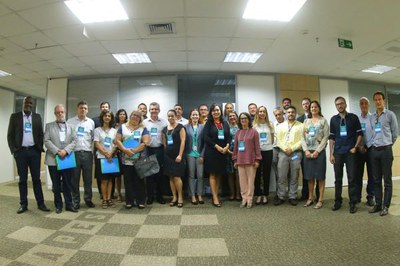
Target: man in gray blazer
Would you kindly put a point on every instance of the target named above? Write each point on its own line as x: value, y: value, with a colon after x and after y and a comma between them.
x: 60, y: 139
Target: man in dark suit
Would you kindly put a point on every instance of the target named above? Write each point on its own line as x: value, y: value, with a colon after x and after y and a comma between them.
x: 25, y: 140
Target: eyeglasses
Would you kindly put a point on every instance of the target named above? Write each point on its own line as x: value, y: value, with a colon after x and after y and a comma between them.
x: 340, y: 104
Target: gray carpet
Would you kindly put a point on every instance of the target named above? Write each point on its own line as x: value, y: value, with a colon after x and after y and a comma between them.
x: 198, y: 235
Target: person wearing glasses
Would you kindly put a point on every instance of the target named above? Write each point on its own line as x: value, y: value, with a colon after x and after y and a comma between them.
x: 246, y: 156
x: 385, y: 130
x: 344, y: 138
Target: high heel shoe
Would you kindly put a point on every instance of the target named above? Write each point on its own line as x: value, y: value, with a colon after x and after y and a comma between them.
x: 218, y: 205
x: 258, y: 201
x: 173, y: 203
x: 180, y: 204
x: 264, y: 200
x: 309, y: 203
x: 319, y: 205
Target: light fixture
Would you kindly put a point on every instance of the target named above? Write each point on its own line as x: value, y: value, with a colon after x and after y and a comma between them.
x: 90, y: 11
x: 149, y: 82
x: 4, y: 74
x: 276, y: 10
x: 378, y: 69
x: 224, y: 82
x: 132, y: 58
x: 238, y: 57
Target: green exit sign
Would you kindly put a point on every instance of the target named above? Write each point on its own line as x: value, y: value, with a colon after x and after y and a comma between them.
x: 345, y: 44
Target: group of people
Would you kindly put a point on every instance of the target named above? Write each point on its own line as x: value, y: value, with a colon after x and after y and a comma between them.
x: 246, y: 150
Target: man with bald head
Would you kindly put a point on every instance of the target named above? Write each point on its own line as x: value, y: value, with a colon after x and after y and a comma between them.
x: 25, y: 140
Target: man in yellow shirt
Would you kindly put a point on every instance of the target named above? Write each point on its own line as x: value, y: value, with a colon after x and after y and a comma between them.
x: 289, y: 157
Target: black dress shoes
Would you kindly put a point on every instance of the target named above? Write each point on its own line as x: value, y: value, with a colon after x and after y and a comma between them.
x: 278, y: 201
x: 353, y: 208
x: 43, y: 208
x: 89, y: 204
x: 149, y: 201
x: 336, y: 206
x: 161, y: 200
x: 385, y: 211
x: 22, y: 209
x: 376, y: 208
x: 71, y: 209
x: 58, y: 211
x: 293, y: 202
x: 370, y: 202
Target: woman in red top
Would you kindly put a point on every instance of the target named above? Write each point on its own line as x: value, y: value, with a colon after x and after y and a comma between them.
x: 246, y: 156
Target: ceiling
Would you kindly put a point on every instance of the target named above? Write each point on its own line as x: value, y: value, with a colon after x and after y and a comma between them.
x: 41, y: 39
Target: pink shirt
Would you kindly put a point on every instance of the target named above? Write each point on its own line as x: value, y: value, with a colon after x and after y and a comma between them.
x: 251, y: 153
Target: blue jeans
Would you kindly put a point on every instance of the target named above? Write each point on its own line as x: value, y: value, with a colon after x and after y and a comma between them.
x: 62, y: 182
x: 29, y: 158
x: 350, y: 160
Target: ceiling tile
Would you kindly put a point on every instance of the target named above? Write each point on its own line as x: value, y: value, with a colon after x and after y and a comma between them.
x: 25, y: 4
x: 141, y: 68
x: 168, y: 57
x: 171, y: 66
x: 154, y: 8
x: 210, y: 27
x: 239, y: 67
x: 213, y: 8
x: 4, y: 10
x: 249, y: 45
x: 208, y: 44
x: 54, y: 73
x: 374, y: 58
x: 8, y: 47
x: 142, y: 27
x: 15, y: 69
x: 206, y: 56
x: 66, y: 35
x: 127, y: 46
x: 56, y: 52
x: 50, y: 16
x: 109, y: 69
x: 81, y: 71
x: 6, y: 62
x: 259, y: 29
x: 67, y: 62
x: 39, y: 66
x: 106, y: 59
x: 390, y: 48
x: 155, y: 45
x: 203, y: 66
x: 83, y: 49
x: 23, y: 57
x: 29, y: 75
x: 12, y: 25
x: 32, y: 40
x: 115, y: 30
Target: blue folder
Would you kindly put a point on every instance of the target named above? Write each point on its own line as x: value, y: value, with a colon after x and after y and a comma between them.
x: 68, y: 162
x: 108, y: 167
x: 132, y: 143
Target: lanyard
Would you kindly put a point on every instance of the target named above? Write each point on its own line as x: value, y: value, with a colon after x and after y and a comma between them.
x: 240, y: 133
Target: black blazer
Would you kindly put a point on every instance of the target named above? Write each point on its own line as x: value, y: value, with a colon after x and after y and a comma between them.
x: 15, y: 131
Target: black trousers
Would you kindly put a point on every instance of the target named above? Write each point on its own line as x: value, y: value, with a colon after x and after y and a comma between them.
x: 350, y: 160
x: 382, y: 161
x: 135, y: 188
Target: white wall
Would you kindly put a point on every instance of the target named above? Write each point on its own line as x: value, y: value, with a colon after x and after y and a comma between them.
x: 329, y: 90
x: 56, y: 93
x: 7, y: 160
x: 258, y: 89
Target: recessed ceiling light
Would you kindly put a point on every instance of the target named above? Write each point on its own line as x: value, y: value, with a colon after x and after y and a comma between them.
x: 224, y: 82
x: 276, y: 10
x: 237, y: 57
x: 89, y: 11
x: 132, y: 58
x: 378, y: 69
x: 4, y: 74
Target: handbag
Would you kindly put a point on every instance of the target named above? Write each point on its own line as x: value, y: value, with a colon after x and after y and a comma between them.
x: 146, y: 166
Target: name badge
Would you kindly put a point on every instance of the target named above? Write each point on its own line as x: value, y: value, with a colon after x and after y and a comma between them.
x: 62, y: 136
x: 378, y: 127
x: 263, y: 137
x: 311, y: 131
x: 194, y: 148
x: 28, y: 127
x: 107, y: 142
x: 153, y: 131
x: 343, y: 131
x: 295, y: 157
x: 363, y: 127
x: 170, y: 141
x: 221, y: 134
x: 136, y: 134
x: 81, y: 131
x: 241, y: 146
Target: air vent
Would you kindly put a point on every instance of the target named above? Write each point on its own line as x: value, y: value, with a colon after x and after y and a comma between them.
x: 394, y: 49
x: 162, y: 28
